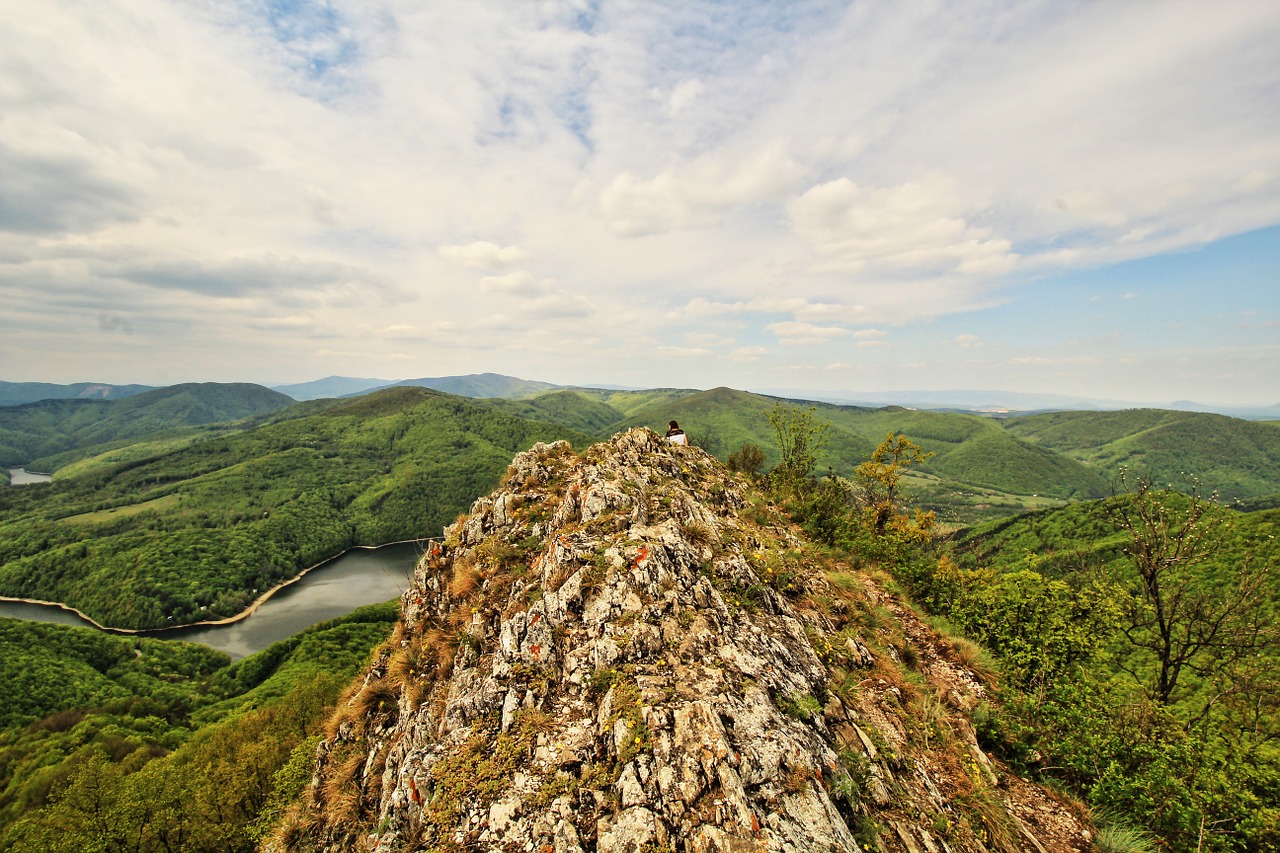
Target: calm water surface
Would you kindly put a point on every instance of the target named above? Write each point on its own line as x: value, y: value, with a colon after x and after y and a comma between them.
x: 23, y: 477
x: 334, y: 589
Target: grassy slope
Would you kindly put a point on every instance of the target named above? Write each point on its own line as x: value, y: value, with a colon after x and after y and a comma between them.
x: 569, y: 408
x: 1239, y: 459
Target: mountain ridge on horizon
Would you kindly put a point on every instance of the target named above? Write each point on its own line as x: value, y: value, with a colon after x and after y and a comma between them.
x: 489, y: 384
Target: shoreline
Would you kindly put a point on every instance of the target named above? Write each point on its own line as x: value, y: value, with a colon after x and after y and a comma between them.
x: 229, y: 620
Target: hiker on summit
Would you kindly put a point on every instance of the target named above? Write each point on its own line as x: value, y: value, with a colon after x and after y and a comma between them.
x: 675, y: 435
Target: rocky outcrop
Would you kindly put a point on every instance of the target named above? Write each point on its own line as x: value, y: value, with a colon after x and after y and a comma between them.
x: 628, y: 650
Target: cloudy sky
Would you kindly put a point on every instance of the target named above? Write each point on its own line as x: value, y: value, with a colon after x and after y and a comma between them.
x: 1076, y: 198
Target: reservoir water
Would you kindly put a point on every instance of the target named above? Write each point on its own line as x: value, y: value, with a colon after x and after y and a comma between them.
x: 354, y: 579
x: 23, y: 477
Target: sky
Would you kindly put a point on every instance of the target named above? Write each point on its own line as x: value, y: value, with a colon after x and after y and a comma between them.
x: 1077, y: 198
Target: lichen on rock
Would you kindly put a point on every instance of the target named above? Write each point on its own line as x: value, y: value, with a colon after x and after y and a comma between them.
x: 610, y: 653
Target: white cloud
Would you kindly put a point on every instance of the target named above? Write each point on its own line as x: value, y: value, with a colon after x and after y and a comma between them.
x: 701, y: 307
x: 519, y: 283
x: 685, y: 352
x: 748, y: 354
x: 482, y: 173
x: 916, y: 227
x: 699, y: 193
x: 483, y: 255
x: 801, y: 334
x: 1039, y: 360
x: 682, y: 96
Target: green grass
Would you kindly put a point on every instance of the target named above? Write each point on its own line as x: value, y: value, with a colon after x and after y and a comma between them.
x: 104, y: 515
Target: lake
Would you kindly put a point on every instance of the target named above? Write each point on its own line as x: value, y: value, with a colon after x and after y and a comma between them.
x: 23, y: 477
x: 356, y: 578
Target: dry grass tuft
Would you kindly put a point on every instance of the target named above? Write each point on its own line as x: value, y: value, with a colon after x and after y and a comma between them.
x: 444, y: 645
x: 976, y: 659
x: 380, y: 696
x: 342, y: 791
x: 466, y: 580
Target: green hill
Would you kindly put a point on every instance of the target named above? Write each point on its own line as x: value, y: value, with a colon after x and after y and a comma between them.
x: 330, y: 386
x: 190, y: 532
x: 721, y: 420
x: 80, y: 707
x: 568, y: 407
x: 480, y: 385
x: 1064, y: 540
x: 979, y: 469
x: 1238, y: 459
x: 36, y: 432
x: 16, y: 393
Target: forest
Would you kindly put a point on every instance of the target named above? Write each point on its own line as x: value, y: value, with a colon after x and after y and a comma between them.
x: 111, y: 743
x: 174, y: 533
x: 189, y: 518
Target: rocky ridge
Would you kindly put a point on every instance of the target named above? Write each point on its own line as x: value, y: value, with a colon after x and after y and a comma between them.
x: 628, y: 650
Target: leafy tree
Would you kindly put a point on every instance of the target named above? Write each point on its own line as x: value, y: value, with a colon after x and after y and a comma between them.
x: 801, y: 438
x: 748, y: 459
x: 1188, y: 619
x: 878, y: 480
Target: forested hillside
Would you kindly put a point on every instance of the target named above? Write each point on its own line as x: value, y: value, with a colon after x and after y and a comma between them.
x: 196, y: 532
x: 1238, y: 459
x: 983, y: 467
x: 1050, y: 608
x: 16, y: 393
x: 35, y: 434
x: 142, y: 744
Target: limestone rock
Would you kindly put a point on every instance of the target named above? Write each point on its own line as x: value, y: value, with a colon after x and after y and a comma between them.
x: 608, y: 655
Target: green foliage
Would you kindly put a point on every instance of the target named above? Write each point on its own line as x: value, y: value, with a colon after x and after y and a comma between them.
x: 191, y: 754
x: 194, y: 532
x: 1040, y: 629
x: 747, y: 459
x: 34, y: 432
x: 1067, y: 599
x: 801, y: 438
x: 878, y: 479
x: 1181, y: 615
x: 46, y: 668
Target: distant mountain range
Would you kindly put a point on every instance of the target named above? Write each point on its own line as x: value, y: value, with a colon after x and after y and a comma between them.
x: 1013, y: 402
x: 46, y: 428
x: 496, y: 385
x: 17, y: 393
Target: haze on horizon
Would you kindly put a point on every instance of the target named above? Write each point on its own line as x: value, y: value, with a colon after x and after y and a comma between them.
x: 1077, y: 199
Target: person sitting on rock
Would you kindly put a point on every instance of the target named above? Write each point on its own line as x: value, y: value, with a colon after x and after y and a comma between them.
x: 675, y: 435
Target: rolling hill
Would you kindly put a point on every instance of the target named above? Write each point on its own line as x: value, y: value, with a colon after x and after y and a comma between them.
x: 194, y: 531
x: 17, y: 393
x: 34, y: 432
x: 1238, y: 459
x: 480, y: 385
x: 330, y: 386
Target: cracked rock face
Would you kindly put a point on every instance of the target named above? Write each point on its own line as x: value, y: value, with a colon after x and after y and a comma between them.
x: 604, y: 656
